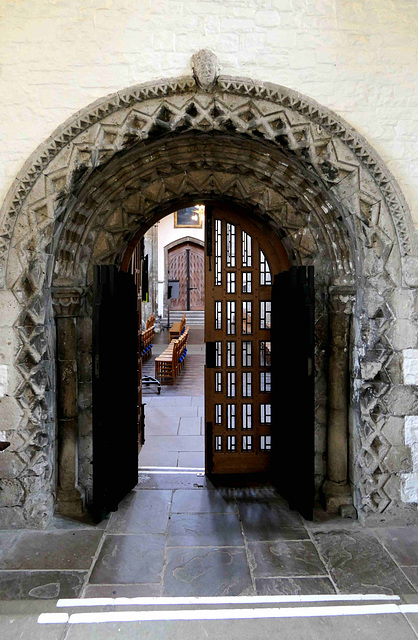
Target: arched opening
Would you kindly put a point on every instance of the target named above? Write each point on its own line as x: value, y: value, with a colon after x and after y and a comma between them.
x: 115, y: 170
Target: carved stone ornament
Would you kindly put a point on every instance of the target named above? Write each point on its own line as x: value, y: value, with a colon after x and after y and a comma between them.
x: 341, y: 299
x: 66, y: 301
x: 205, y: 69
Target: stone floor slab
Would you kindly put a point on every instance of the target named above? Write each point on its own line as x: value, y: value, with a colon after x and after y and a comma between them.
x: 194, y: 459
x: 293, y: 586
x: 204, y: 529
x: 158, y: 458
x: 42, y: 585
x: 371, y: 627
x: 122, y: 590
x: 270, y: 520
x: 412, y: 575
x: 44, y: 550
x: 209, y: 571
x: 129, y: 559
x: 60, y: 523
x: 285, y: 559
x: 161, y: 428
x: 190, y: 427
x: 401, y: 542
x: 185, y: 501
x: 173, y: 401
x: 359, y: 564
x: 189, y: 481
x: 174, y: 443
x: 142, y: 512
x: 173, y: 411
x: 19, y: 621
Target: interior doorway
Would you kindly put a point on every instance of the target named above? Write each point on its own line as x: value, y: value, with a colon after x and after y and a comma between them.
x: 186, y: 264
x: 215, y: 413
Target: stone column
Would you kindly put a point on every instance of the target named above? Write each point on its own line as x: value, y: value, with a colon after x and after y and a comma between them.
x: 66, y: 303
x: 337, y: 489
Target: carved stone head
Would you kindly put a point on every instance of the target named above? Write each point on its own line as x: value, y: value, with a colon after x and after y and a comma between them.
x: 205, y: 69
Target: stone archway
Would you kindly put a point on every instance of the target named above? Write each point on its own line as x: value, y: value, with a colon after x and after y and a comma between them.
x: 118, y: 166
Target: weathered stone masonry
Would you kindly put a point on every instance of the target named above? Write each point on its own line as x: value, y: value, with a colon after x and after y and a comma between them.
x: 114, y: 169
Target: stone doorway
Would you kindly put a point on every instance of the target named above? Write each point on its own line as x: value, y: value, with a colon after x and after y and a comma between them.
x: 104, y: 178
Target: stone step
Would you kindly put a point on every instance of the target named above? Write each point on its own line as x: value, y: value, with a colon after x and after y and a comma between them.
x: 192, y: 317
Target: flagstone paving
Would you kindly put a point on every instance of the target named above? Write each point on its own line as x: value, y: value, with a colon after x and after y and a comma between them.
x: 179, y: 533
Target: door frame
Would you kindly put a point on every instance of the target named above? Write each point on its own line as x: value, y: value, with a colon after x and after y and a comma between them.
x: 167, y: 248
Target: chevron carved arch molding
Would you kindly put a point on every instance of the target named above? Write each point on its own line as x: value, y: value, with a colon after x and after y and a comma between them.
x: 113, y: 168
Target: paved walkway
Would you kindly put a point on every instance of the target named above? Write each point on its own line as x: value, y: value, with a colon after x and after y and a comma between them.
x: 179, y: 535
x: 174, y: 419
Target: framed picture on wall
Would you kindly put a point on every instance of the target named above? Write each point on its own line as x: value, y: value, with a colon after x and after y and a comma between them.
x: 191, y: 217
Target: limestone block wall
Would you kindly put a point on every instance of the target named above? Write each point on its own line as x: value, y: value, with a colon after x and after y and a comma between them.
x: 357, y: 57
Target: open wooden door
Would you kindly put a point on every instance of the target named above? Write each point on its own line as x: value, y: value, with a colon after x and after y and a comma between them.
x: 293, y: 409
x: 115, y: 388
x: 241, y: 255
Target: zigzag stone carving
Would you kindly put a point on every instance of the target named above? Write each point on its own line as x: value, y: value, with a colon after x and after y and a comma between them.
x: 108, y: 173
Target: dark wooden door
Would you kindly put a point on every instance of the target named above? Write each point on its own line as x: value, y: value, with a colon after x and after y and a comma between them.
x: 186, y: 263
x: 293, y: 409
x: 241, y: 257
x: 115, y: 388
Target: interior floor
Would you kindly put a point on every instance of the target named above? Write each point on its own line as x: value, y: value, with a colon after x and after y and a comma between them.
x: 174, y: 429
x: 179, y: 535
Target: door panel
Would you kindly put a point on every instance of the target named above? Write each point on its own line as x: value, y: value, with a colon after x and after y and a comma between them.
x: 115, y: 388
x: 293, y: 387
x: 183, y: 259
x: 240, y: 260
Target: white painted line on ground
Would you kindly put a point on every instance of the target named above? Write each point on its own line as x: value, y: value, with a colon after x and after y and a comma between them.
x: 200, y: 600
x: 409, y: 608
x: 171, y: 468
x: 223, y: 614
x: 170, y: 473
x: 53, y: 618
x: 174, y: 468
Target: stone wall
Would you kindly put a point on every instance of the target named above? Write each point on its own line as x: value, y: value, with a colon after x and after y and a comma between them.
x: 167, y: 234
x: 321, y: 186
x: 357, y: 57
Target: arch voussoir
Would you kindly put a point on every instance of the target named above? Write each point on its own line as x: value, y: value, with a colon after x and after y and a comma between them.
x: 115, y: 167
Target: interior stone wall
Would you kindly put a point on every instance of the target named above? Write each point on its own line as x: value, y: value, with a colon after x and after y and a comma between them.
x: 128, y: 159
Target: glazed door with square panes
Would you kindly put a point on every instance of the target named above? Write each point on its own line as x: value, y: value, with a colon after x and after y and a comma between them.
x: 241, y: 258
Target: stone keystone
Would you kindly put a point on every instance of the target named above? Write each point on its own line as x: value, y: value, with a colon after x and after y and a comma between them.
x: 205, y: 70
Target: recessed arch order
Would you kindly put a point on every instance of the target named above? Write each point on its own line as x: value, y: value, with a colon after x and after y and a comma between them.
x: 116, y: 167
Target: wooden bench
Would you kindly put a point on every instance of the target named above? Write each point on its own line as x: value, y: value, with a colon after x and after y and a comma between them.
x: 171, y: 361
x: 147, y: 337
x: 176, y: 329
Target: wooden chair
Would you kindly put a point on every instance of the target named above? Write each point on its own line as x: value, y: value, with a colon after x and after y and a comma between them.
x: 150, y: 321
x: 166, y: 365
x: 171, y: 361
x: 176, y: 329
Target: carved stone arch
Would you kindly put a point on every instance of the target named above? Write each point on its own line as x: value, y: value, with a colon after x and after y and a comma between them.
x: 112, y: 169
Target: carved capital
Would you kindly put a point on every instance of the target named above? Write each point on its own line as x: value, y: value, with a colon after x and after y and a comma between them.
x: 341, y: 299
x: 66, y: 301
x: 205, y: 69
